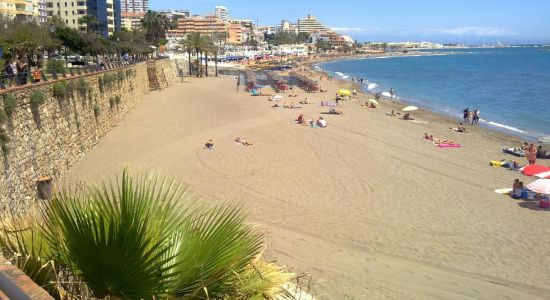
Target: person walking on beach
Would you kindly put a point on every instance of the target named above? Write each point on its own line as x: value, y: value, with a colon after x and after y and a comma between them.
x: 476, y: 116
x: 465, y: 115
x: 392, y: 93
x: 531, y: 154
x: 377, y: 95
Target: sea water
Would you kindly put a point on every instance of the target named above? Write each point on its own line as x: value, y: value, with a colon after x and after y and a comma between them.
x: 510, y: 86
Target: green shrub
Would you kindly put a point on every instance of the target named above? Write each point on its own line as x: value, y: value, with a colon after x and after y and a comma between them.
x: 97, y: 111
x: 71, y: 88
x: 38, y: 98
x: 4, y: 140
x: 118, y: 100
x: 101, y: 84
x: 120, y: 76
x: 10, y: 103
x: 129, y: 72
x: 60, y: 90
x: 112, y: 103
x: 3, y: 117
x: 82, y: 86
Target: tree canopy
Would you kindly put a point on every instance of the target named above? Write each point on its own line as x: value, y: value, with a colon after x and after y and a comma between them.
x: 285, y: 38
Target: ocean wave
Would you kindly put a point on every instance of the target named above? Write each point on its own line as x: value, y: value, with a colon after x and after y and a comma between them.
x: 371, y: 86
x: 507, y: 127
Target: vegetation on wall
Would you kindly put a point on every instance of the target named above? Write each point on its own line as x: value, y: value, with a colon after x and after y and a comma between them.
x: 10, y: 103
x: 38, y: 98
x: 60, y: 90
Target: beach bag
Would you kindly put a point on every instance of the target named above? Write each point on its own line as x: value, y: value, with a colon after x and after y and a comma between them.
x: 544, y: 204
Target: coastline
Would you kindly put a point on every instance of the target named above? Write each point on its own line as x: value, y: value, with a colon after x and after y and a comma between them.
x: 508, y: 131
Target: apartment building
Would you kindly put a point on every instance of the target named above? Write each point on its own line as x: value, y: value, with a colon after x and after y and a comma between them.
x: 222, y: 13
x: 107, y: 13
x: 24, y: 10
x: 310, y: 24
x: 132, y: 20
x: 134, y: 6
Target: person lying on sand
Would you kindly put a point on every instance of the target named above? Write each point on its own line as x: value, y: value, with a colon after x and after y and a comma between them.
x: 321, y: 122
x: 428, y: 137
x: 242, y: 141
x: 392, y: 113
x: 209, y: 145
x: 333, y: 111
x: 305, y: 101
x: 407, y: 117
x: 438, y: 141
x: 292, y: 96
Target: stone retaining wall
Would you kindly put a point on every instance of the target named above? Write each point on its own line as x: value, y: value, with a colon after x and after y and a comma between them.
x: 162, y: 73
x: 44, y: 140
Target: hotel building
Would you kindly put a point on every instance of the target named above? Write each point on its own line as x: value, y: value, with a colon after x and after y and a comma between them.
x: 106, y: 12
x: 134, y: 5
x: 24, y: 10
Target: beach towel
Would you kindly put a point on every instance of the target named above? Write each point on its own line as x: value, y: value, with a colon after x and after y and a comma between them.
x: 449, y: 145
x: 505, y: 191
x: 328, y: 103
x: 497, y: 163
x: 512, y: 151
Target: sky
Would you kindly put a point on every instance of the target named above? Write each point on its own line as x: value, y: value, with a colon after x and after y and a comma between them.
x: 462, y: 21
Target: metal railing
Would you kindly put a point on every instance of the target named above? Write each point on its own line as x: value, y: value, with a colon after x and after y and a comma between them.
x: 43, y: 75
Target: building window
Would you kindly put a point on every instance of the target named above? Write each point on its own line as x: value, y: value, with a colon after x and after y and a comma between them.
x: 66, y: 13
x: 72, y: 3
x: 65, y: 4
x: 73, y: 12
x: 73, y: 21
x: 66, y: 21
x: 57, y: 4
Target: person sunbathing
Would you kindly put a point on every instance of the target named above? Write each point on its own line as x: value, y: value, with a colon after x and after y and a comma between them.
x: 242, y: 141
x: 443, y: 141
x: 333, y: 111
x: 301, y: 119
x: 407, y: 117
x: 428, y: 137
x: 209, y: 144
x: 305, y: 101
x: 321, y: 122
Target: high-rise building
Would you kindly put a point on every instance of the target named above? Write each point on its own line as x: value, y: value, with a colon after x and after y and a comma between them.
x: 134, y: 5
x: 105, y: 14
x: 24, y: 10
x: 222, y: 13
x: 311, y: 24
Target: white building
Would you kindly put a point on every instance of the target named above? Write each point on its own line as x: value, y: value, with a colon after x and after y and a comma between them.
x: 297, y: 50
x: 222, y: 13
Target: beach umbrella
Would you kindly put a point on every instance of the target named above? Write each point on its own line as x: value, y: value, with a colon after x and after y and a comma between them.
x: 533, y: 170
x: 541, y: 186
x: 410, y: 108
x: 543, y: 175
x: 344, y: 92
x: 373, y: 101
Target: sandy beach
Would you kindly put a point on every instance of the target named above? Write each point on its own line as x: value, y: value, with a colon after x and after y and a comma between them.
x: 365, y: 206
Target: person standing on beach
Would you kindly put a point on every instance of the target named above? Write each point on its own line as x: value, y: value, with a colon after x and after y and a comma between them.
x: 466, y: 112
x: 392, y: 93
x: 531, y: 154
x: 476, y: 116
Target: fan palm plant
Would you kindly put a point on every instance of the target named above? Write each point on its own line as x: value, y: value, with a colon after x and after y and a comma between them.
x: 141, y: 238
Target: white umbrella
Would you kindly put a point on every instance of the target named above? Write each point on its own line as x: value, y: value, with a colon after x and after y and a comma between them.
x: 543, y: 175
x: 540, y: 186
x: 410, y: 108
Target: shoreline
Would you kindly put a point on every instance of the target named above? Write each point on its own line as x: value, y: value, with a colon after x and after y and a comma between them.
x: 507, y: 130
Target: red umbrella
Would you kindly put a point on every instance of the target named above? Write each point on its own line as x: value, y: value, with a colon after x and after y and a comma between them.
x: 532, y: 170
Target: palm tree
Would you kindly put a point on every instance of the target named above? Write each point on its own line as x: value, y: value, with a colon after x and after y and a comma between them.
x: 199, y: 43
x: 188, y: 47
x: 155, y: 26
x: 142, y: 238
